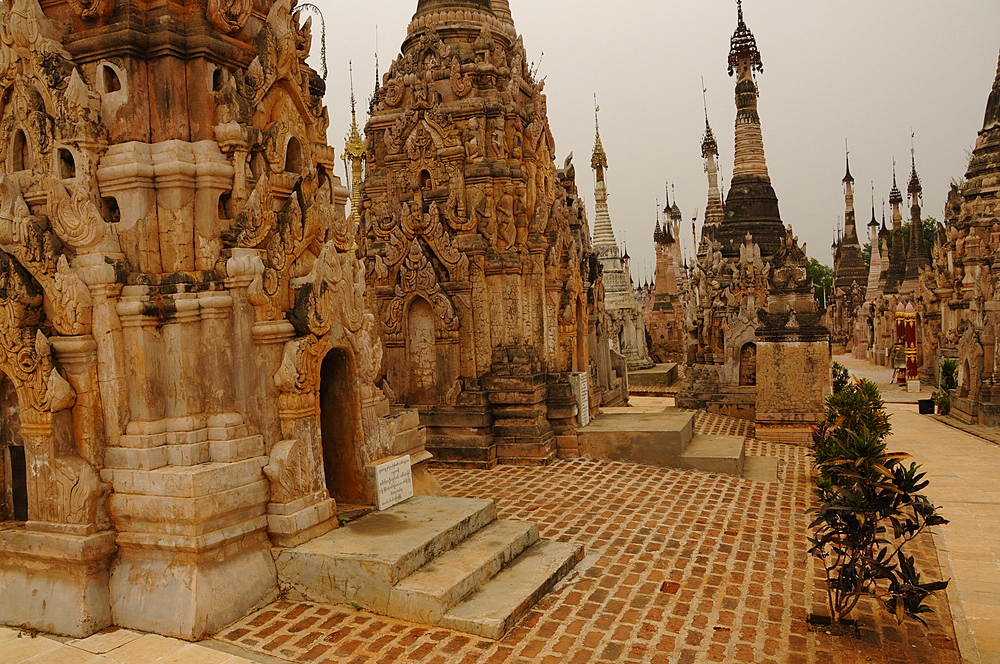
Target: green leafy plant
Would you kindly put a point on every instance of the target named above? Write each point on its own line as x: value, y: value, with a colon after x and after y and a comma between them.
x: 841, y: 377
x: 857, y: 406
x: 948, y: 382
x: 942, y: 399
x: 948, y: 379
x: 870, y: 508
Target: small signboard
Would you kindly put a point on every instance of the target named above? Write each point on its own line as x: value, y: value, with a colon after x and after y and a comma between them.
x: 393, y: 482
x: 581, y: 390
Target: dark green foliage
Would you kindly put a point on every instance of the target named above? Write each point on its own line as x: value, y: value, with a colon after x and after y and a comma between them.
x: 949, y: 374
x: 822, y: 278
x: 870, y: 508
x: 866, y: 253
x: 841, y: 377
x: 947, y: 381
x: 942, y: 399
x: 859, y: 406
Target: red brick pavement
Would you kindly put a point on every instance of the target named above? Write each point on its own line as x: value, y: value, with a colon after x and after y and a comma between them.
x: 680, y: 567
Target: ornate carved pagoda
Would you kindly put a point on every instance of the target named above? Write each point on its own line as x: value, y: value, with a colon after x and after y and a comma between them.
x: 188, y: 370
x: 489, y: 295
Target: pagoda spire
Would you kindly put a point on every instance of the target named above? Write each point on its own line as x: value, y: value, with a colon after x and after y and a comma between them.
x: 751, y: 204
x: 715, y: 212
x: 897, y: 252
x: 599, y: 160
x: 744, y: 60
x: 355, y: 151
x: 850, y: 227
x: 992, y: 118
x: 604, y: 233
x: 916, y: 257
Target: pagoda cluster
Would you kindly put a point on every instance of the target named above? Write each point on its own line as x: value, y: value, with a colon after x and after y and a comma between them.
x: 751, y: 336
x: 933, y: 293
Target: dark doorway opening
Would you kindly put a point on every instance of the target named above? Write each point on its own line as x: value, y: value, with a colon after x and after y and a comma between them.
x: 18, y: 482
x: 340, y: 430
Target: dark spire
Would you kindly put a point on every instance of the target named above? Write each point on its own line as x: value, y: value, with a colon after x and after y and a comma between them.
x: 709, y: 146
x: 743, y: 45
x: 914, y: 186
x: 873, y: 222
x: 895, y: 196
x: 848, y: 177
x: 993, y: 104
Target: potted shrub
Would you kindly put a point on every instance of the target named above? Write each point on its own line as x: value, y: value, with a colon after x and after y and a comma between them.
x: 869, y: 509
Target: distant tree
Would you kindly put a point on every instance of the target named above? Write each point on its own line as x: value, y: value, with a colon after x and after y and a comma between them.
x: 822, y: 278
x: 930, y: 229
x: 866, y: 253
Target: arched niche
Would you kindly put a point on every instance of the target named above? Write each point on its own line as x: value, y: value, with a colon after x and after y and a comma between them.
x: 109, y: 78
x: 13, y: 462
x: 294, y: 159
x: 422, y: 354
x: 748, y: 364
x: 340, y: 428
x: 65, y: 163
x: 20, y: 152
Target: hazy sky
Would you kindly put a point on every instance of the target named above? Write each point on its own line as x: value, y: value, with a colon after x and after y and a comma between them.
x: 864, y: 70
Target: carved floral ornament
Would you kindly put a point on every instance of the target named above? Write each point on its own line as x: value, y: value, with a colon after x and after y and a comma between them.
x: 229, y: 15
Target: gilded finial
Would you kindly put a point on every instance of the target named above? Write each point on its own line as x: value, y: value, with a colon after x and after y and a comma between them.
x: 743, y: 46
x: 355, y: 149
x: 599, y: 160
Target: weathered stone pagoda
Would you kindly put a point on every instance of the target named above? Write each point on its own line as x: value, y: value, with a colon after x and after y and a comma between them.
x: 189, y: 371
x: 850, y: 275
x: 478, y: 253
x: 757, y: 347
x: 665, y: 310
x: 625, y: 317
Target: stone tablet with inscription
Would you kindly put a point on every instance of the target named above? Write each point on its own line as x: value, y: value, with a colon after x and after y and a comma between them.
x: 393, y: 482
x: 581, y: 390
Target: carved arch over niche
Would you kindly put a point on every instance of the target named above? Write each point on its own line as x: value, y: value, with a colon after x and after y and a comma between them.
x: 61, y: 486
x: 748, y: 364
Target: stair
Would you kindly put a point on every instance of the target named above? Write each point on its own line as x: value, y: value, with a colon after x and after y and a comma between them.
x: 426, y: 560
x: 715, y: 454
x: 667, y: 440
x: 494, y: 609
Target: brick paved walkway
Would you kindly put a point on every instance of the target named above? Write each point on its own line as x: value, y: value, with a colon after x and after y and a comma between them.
x: 680, y: 567
x: 963, y: 471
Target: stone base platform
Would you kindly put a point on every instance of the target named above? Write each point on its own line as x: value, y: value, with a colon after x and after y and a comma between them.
x: 661, y: 380
x: 436, y: 561
x: 667, y: 440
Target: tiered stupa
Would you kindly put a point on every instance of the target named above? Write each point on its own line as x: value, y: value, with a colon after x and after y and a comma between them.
x: 757, y: 348
x: 628, y: 326
x: 850, y: 274
x: 478, y: 252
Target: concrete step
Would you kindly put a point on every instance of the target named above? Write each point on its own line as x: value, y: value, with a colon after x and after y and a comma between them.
x: 428, y: 593
x: 362, y: 561
x: 715, y: 454
x: 654, y: 439
x: 495, y: 608
x: 761, y: 468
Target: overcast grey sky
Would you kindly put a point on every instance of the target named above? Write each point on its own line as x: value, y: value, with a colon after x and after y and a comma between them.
x: 864, y: 70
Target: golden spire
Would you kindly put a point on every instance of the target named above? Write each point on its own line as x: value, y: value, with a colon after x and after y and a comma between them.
x: 600, y: 160
x: 355, y: 149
